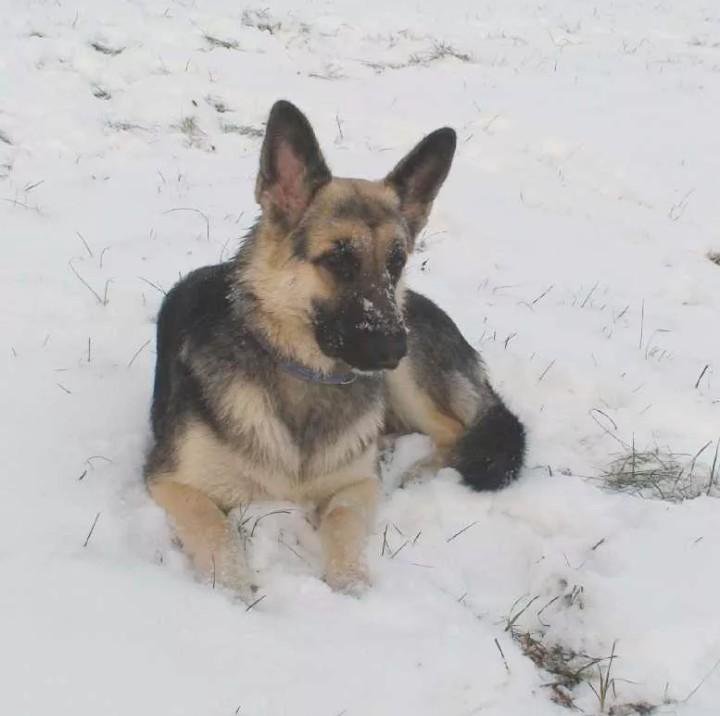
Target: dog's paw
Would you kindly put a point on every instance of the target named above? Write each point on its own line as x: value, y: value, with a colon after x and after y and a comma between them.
x: 247, y: 595
x: 352, y: 580
x: 421, y: 471
x: 231, y: 571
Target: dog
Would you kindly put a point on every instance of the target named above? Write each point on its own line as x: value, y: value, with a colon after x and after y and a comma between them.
x: 279, y: 371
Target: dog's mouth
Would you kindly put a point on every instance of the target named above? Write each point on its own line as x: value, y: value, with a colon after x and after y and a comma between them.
x: 362, y: 365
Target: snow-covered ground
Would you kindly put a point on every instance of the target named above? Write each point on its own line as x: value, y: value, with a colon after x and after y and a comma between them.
x: 570, y: 243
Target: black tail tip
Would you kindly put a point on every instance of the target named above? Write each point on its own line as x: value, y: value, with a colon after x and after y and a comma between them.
x: 490, y: 454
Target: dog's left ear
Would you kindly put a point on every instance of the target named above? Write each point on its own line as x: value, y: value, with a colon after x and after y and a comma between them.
x: 292, y: 167
x: 418, y: 177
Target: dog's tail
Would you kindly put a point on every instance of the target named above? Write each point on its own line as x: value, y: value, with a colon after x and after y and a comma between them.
x: 490, y: 454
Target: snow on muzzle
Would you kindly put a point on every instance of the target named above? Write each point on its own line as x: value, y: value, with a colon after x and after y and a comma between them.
x: 365, y: 331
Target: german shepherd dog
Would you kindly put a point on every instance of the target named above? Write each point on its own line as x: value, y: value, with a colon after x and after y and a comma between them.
x: 279, y: 371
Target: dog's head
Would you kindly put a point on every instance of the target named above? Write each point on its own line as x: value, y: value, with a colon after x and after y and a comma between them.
x: 331, y: 251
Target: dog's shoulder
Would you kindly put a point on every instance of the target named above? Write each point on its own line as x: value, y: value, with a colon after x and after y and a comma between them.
x: 204, y: 314
x: 199, y: 301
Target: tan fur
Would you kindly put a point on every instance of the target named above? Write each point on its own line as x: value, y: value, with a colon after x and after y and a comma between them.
x: 205, y: 463
x: 206, y: 534
x: 210, y: 475
x: 285, y: 288
x: 249, y: 410
x: 412, y: 406
x: 373, y: 242
x: 352, y: 444
x: 344, y: 522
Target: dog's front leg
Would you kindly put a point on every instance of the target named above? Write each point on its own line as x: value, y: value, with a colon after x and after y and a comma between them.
x: 345, y: 521
x: 207, y: 536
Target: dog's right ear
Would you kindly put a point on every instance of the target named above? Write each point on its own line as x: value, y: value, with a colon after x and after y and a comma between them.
x: 292, y: 167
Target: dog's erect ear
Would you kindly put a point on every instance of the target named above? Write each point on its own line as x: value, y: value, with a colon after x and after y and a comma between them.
x: 419, y: 176
x: 292, y: 167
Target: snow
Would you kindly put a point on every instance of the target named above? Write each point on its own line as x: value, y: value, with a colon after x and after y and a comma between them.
x: 569, y: 243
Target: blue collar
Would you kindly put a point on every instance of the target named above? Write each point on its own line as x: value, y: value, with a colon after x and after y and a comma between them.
x: 298, y: 370
x: 303, y: 372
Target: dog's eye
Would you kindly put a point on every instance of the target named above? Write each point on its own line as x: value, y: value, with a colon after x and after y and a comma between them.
x: 341, y: 261
x: 396, y: 262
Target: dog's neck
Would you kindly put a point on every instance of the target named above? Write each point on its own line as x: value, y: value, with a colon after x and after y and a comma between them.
x: 303, y: 372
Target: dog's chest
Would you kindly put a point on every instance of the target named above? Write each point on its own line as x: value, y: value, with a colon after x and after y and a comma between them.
x: 305, y: 430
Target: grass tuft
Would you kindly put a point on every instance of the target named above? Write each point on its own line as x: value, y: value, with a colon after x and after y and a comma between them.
x: 569, y: 670
x: 662, y: 474
x: 219, y: 42
x: 260, y: 20
x: 329, y: 72
x: 638, y: 708
x: 194, y: 136
x: 217, y: 104
x: 122, y: 126
x: 100, y: 93
x: 438, y: 52
x: 244, y: 130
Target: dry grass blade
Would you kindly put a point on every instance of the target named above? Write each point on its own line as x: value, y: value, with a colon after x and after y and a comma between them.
x: 545, y: 372
x: 543, y: 294
x: 22, y: 204
x: 502, y: 654
x: 464, y: 529
x: 138, y: 352
x: 589, y: 295
x: 267, y: 514
x: 385, y: 543
x: 157, y: 287
x: 197, y: 211
x: 102, y: 300
x: 604, y: 428
x: 702, y: 373
x: 702, y: 682
x: 85, y: 244
x: 605, y: 682
x: 400, y: 549
x: 106, y: 49
x: 255, y: 603
x: 33, y: 185
x: 713, y: 469
x: 513, y: 618
x: 92, y: 529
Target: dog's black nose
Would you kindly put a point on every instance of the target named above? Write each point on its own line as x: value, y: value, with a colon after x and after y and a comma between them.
x: 388, y: 349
